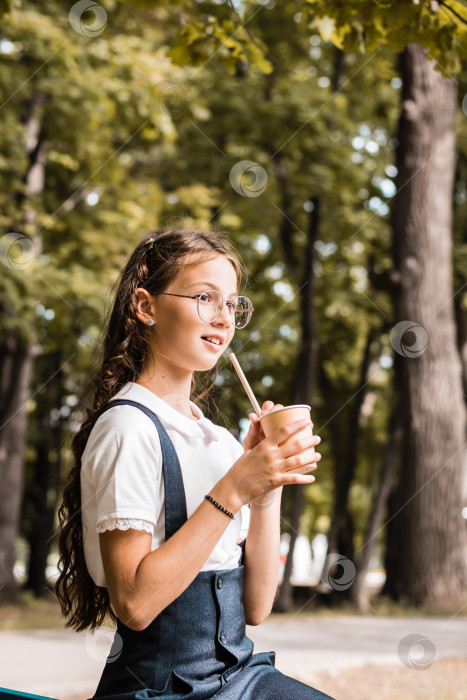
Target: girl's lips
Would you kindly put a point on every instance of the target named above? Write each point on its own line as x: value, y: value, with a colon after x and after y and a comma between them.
x: 212, y: 344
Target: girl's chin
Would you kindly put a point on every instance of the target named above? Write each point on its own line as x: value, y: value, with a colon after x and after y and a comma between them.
x: 207, y: 363
x: 205, y: 367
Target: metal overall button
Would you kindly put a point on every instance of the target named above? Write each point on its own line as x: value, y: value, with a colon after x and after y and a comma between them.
x: 220, y: 583
x: 223, y: 638
x: 231, y: 672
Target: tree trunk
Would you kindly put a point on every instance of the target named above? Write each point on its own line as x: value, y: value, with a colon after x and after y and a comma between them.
x: 15, y: 380
x: 460, y: 282
x: 338, y: 74
x: 302, y: 390
x: 341, y: 524
x: 17, y: 362
x: 461, y: 322
x: 340, y: 537
x: 287, y: 226
x: 429, y: 563
x: 460, y: 305
x: 41, y: 494
x: 359, y: 592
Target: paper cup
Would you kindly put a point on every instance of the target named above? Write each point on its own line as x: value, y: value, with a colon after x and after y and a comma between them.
x: 278, y: 417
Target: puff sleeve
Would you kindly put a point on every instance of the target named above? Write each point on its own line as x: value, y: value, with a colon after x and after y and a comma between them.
x: 122, y: 470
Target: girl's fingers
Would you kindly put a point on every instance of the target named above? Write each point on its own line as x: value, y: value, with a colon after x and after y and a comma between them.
x: 254, y: 434
x: 289, y: 477
x: 307, y: 458
x: 284, y: 433
x: 297, y: 445
x: 257, y: 425
x: 300, y: 479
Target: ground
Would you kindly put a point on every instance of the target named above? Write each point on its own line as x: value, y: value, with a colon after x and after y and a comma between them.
x: 445, y: 680
x: 449, y: 682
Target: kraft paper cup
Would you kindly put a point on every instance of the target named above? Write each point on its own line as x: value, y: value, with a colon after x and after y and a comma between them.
x: 278, y: 417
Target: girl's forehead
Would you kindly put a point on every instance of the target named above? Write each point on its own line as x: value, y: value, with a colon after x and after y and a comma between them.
x: 217, y: 269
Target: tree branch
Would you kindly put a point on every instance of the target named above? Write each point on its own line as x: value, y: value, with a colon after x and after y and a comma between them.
x: 254, y: 41
x: 454, y: 12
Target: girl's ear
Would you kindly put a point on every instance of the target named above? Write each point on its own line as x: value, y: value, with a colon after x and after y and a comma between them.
x: 145, y: 311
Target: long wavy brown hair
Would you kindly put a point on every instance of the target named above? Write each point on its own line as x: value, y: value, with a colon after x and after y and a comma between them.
x: 123, y: 346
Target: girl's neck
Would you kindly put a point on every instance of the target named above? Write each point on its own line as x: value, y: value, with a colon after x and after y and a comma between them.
x: 175, y: 393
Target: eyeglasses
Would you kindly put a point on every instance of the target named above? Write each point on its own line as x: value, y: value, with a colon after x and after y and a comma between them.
x: 211, y: 303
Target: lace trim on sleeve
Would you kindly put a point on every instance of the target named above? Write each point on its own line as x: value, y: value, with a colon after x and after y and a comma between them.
x: 125, y: 524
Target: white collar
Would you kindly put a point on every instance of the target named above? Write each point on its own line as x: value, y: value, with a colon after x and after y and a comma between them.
x: 169, y: 415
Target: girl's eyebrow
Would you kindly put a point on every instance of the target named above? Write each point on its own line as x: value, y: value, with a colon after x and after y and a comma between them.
x: 209, y: 285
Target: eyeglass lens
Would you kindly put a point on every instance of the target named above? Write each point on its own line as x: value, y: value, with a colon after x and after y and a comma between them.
x: 210, y: 306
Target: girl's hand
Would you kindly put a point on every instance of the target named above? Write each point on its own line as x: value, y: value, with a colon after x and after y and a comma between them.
x: 255, y: 432
x: 266, y: 466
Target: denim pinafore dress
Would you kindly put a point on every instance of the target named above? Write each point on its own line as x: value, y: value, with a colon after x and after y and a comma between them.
x: 196, y: 648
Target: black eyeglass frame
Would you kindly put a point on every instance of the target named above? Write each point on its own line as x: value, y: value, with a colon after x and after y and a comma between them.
x: 197, y: 298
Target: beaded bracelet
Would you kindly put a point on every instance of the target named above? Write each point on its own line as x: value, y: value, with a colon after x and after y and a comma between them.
x: 218, y: 505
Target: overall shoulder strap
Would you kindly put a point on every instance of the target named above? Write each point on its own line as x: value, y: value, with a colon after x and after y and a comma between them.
x: 175, y: 501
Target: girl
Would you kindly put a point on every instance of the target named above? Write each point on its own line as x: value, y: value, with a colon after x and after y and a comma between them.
x: 155, y: 514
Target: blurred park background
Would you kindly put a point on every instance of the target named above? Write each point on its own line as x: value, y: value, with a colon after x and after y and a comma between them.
x: 329, y: 140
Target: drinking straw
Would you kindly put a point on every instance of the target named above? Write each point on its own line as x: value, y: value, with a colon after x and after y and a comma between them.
x: 246, y: 386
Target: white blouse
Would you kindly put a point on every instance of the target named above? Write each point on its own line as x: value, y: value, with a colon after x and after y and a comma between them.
x: 122, y: 483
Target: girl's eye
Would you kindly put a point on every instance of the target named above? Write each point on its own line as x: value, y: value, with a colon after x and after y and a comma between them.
x: 204, y: 296
x: 231, y: 305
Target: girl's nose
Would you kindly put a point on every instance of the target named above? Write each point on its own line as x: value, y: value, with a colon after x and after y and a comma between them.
x: 225, y: 317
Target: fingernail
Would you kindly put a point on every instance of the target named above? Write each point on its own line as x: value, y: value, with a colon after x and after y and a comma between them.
x: 318, y: 455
